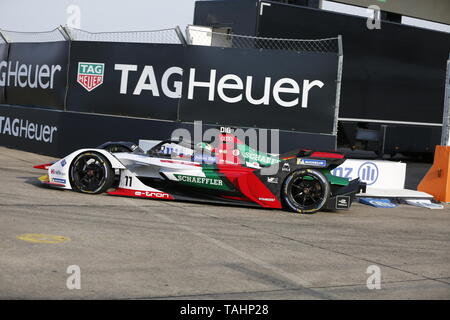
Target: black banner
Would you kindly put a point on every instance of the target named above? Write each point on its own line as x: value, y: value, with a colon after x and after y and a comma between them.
x: 37, y: 74
x: 93, y: 130
x: 394, y: 73
x: 3, y: 69
x: 29, y: 129
x: 239, y: 87
x: 263, y: 88
x: 132, y: 79
x: 51, y: 132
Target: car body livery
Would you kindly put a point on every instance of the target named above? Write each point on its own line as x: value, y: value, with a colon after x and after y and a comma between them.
x: 231, y: 173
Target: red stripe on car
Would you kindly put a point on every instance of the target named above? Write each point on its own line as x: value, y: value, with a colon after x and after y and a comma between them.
x: 43, y: 166
x: 326, y: 155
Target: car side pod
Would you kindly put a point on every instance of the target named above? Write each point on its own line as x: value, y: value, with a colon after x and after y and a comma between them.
x: 343, y: 197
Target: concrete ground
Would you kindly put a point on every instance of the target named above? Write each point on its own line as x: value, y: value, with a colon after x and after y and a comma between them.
x: 144, y: 249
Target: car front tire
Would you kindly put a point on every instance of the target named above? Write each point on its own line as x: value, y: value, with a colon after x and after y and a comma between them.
x: 91, y: 172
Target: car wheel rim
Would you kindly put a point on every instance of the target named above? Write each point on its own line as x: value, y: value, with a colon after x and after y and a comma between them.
x: 89, y: 173
x: 306, y: 192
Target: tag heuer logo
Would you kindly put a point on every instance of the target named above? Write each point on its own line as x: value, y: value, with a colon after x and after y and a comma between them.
x: 90, y: 75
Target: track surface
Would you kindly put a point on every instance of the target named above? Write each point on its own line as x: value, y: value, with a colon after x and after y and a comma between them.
x: 145, y: 249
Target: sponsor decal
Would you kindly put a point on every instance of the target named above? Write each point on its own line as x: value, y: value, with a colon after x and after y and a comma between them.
x: 63, y: 162
x: 200, y: 180
x: 236, y: 152
x: 204, y: 145
x: 205, y: 158
x: 134, y: 147
x: 58, y: 180
x: 286, y: 167
x: 267, y: 199
x: 14, y: 74
x: 368, y: 173
x: 285, y: 92
x: 378, y: 203
x: 226, y: 138
x: 176, y: 151
x: 260, y: 158
x: 230, y: 162
x: 25, y: 129
x: 272, y: 179
x: 57, y: 172
x: 253, y: 165
x: 342, y: 172
x: 226, y: 130
x: 312, y: 162
x: 90, y: 75
x: 342, y: 202
x: 152, y: 194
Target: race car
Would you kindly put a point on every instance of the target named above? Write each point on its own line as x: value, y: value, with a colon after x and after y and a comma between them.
x: 229, y: 172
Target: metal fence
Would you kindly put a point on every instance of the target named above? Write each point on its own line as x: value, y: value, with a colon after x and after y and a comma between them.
x: 200, y: 36
x: 166, y: 36
x: 194, y: 36
x: 45, y: 36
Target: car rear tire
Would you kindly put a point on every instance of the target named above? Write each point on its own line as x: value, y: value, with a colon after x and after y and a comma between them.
x: 305, y: 191
x: 91, y: 172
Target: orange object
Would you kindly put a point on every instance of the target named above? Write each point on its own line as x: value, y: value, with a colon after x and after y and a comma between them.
x: 437, y: 180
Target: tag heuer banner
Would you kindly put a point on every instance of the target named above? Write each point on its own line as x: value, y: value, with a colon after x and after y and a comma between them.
x: 229, y: 86
x: 266, y: 89
x: 35, y: 74
x: 129, y: 79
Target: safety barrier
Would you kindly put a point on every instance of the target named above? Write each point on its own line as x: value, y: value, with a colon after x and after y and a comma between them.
x: 437, y: 180
x: 158, y: 75
x: 167, y: 79
x: 57, y: 133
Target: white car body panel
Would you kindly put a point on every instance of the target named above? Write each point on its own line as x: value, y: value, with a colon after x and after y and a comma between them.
x: 128, y: 164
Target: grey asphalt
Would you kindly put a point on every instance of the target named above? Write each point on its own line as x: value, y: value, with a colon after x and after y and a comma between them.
x: 147, y: 249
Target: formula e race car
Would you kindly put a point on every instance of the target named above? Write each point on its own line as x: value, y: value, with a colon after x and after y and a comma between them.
x: 231, y: 172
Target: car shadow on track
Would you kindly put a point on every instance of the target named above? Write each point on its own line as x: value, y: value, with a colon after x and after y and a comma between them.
x: 35, y: 182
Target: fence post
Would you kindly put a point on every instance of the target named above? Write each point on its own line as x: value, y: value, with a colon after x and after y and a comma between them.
x: 2, y: 36
x: 445, y: 141
x: 180, y: 35
x: 338, y: 85
x: 64, y: 33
